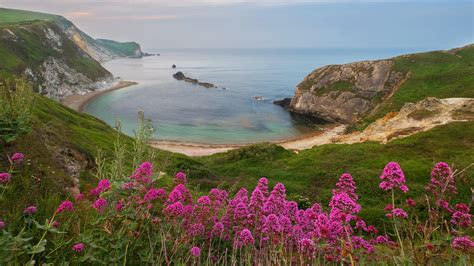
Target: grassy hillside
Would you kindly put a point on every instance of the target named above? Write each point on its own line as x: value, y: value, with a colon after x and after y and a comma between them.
x: 16, y: 16
x: 440, y: 74
x: 29, y: 47
x: 131, y: 49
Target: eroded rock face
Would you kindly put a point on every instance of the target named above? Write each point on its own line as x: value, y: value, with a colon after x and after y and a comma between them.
x: 345, y: 93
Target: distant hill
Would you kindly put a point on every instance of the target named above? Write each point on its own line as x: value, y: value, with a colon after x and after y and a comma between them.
x: 57, y: 56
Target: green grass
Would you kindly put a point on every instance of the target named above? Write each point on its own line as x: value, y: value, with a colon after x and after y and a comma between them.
x: 314, y: 172
x: 119, y: 48
x: 16, y: 16
x: 30, y: 48
x: 432, y: 74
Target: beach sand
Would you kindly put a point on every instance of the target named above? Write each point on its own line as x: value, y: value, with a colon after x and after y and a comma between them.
x: 78, y: 102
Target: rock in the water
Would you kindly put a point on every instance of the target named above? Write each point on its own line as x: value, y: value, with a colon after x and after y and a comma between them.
x: 285, y: 102
x: 258, y: 98
x: 173, y: 66
x: 345, y: 93
x: 180, y: 76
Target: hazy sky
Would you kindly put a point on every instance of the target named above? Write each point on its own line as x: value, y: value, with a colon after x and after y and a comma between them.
x: 269, y: 23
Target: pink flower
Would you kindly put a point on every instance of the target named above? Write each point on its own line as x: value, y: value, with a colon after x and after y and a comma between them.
x: 180, y: 178
x: 174, y: 210
x: 128, y: 185
x: 346, y: 184
x: 411, y: 202
x: 119, y: 205
x: 393, y: 177
x: 4, y: 178
x: 103, y: 185
x: 388, y: 207
x: 306, y: 246
x: 244, y: 238
x: 154, y: 193
x: 17, y: 157
x: 55, y: 224
x: 2, y: 224
x: 79, y: 197
x: 30, y: 210
x: 463, y: 243
x: 100, y: 204
x: 400, y: 213
x: 461, y: 218
x: 79, y: 247
x: 344, y: 203
x: 143, y: 173
x: 195, y: 251
x: 218, y: 229
x: 65, y: 206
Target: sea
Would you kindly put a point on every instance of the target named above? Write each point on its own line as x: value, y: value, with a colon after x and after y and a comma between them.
x: 239, y: 111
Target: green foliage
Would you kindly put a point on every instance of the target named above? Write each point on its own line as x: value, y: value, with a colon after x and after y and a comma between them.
x: 16, y: 96
x: 119, y: 48
x: 433, y: 74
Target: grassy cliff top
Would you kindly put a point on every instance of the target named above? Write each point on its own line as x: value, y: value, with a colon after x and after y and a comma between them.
x: 17, y: 16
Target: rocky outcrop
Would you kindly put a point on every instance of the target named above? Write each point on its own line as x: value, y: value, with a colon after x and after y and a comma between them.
x: 58, y: 58
x: 180, y: 76
x: 285, y: 102
x: 345, y: 93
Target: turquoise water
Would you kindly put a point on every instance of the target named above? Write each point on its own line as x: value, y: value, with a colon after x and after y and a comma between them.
x: 185, y: 112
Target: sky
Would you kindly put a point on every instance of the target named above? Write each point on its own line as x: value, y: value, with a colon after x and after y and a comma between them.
x: 158, y: 24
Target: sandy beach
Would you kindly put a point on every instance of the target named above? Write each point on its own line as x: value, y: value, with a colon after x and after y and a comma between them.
x: 296, y: 144
x: 77, y: 102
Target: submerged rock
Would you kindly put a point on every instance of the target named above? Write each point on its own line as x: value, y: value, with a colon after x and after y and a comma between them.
x: 173, y: 66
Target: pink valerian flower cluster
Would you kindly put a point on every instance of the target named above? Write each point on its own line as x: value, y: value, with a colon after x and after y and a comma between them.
x: 463, y: 243
x: 393, y: 177
x: 100, y: 204
x: 2, y: 224
x: 65, y: 206
x: 79, y: 247
x: 30, y: 210
x: 102, y: 186
x: 17, y: 157
x: 442, y: 184
x: 5, y: 178
x: 461, y: 216
x: 398, y: 213
x: 195, y: 251
x: 180, y: 178
x: 154, y: 193
x: 143, y: 173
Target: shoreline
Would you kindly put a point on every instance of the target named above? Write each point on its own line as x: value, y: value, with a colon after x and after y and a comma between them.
x: 295, y: 144
x: 78, y: 102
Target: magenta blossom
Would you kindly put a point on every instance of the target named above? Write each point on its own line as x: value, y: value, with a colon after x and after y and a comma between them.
x: 17, y: 157
x: 180, y: 178
x: 244, y: 238
x: 30, y: 210
x: 2, y: 224
x: 100, y: 204
x: 79, y: 247
x: 463, y: 243
x: 65, y: 206
x: 154, y: 193
x: 346, y: 184
x: 461, y: 217
x: 393, y: 177
x: 411, y: 202
x: 400, y: 213
x: 103, y: 185
x: 195, y: 251
x: 79, y: 197
x: 5, y: 178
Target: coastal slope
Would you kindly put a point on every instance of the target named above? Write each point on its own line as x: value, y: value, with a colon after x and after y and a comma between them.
x: 360, y: 92
x: 58, y: 58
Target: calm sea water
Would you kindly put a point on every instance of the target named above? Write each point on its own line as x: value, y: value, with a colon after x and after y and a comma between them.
x: 185, y: 112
